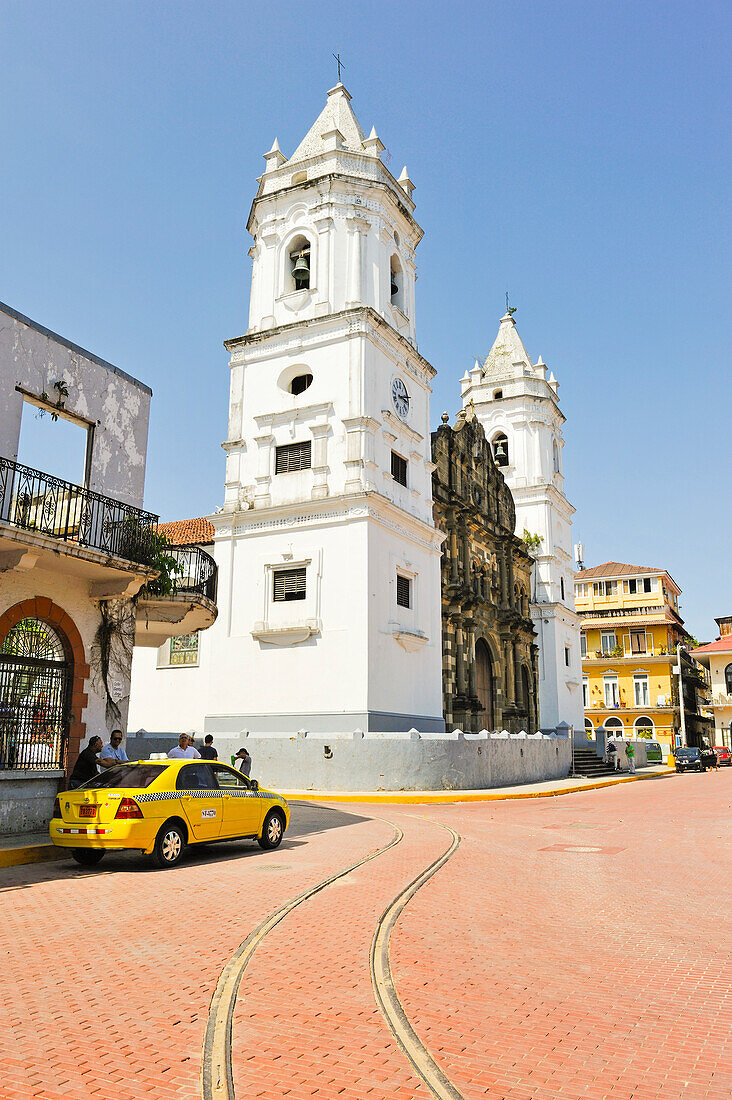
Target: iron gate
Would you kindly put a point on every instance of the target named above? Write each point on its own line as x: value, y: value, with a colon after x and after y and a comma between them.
x: 35, y: 682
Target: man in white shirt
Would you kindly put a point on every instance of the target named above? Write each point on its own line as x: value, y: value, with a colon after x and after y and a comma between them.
x: 184, y: 751
x: 113, y: 753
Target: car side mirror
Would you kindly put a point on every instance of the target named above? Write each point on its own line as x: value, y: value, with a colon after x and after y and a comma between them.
x: 254, y: 784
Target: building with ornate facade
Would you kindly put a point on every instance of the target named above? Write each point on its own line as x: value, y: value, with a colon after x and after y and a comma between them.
x: 518, y: 406
x: 490, y: 672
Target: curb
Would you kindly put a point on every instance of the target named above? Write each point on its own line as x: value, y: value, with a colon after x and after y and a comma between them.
x: 31, y: 853
x: 436, y: 797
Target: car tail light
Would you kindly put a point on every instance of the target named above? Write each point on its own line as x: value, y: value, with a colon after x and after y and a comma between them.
x: 128, y: 810
x: 56, y: 808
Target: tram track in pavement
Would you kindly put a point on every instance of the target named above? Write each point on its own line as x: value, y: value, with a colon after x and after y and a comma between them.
x: 217, y: 1078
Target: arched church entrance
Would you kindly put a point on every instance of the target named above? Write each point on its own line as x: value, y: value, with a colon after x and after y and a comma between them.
x: 484, y: 685
x: 35, y: 697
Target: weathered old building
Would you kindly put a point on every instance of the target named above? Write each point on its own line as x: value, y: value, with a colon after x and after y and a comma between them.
x: 488, y: 640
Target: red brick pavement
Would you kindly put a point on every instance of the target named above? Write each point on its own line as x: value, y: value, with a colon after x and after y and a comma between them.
x: 569, y: 973
x: 532, y: 970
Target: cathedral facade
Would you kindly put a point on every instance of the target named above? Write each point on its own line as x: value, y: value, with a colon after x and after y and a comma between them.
x: 489, y: 661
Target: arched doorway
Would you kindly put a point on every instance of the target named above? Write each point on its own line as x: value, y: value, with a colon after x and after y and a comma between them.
x: 35, y: 697
x: 643, y: 727
x: 484, y: 685
x: 614, y: 727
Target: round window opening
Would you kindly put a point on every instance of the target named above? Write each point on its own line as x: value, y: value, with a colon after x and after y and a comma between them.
x: 300, y: 383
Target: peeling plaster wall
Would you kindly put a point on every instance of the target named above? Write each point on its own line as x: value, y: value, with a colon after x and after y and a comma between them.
x: 117, y: 405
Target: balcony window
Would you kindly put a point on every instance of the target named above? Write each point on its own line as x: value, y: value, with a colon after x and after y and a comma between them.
x: 611, y: 691
x: 641, y: 694
x: 639, y: 585
x: 58, y: 447
x: 585, y: 692
x: 583, y: 645
x: 638, y: 642
x: 605, y: 588
x: 608, y: 641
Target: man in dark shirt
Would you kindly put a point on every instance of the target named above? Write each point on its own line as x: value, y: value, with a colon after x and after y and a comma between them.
x: 86, y: 764
x: 208, y: 752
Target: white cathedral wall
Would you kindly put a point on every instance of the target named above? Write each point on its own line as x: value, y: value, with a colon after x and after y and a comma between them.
x: 405, y: 675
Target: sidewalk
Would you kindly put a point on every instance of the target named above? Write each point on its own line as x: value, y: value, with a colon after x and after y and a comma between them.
x: 37, y: 847
x: 548, y: 789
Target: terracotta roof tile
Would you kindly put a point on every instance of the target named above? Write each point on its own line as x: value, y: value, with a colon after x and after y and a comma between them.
x: 615, y: 569
x: 722, y: 645
x: 186, y: 532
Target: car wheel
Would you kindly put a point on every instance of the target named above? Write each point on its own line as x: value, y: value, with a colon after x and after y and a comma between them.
x: 272, y: 831
x: 87, y: 857
x: 170, y: 844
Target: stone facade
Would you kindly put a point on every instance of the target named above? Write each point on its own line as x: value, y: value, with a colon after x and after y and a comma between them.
x: 488, y: 641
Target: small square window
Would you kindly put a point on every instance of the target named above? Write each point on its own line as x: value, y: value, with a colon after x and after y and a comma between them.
x: 292, y: 457
x: 289, y: 584
x: 398, y: 468
x: 403, y: 591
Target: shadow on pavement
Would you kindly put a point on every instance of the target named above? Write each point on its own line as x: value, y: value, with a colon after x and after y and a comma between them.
x: 306, y: 820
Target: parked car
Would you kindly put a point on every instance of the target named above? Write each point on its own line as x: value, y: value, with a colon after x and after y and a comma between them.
x: 690, y: 760
x: 160, y: 807
x: 724, y: 755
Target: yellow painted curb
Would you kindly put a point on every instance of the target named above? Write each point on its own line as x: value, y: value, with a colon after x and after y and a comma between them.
x: 30, y: 853
x: 436, y: 797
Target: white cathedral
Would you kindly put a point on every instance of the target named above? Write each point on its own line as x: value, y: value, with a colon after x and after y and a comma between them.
x: 328, y: 556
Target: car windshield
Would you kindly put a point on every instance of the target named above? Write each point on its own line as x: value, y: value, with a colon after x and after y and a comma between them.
x: 126, y: 775
x: 687, y: 752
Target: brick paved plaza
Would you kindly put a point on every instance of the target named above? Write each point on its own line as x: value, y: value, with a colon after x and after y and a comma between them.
x: 571, y: 947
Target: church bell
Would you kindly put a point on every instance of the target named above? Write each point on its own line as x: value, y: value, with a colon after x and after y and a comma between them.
x: 301, y: 270
x: 394, y: 287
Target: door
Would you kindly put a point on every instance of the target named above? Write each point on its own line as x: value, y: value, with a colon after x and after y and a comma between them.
x: 484, y: 684
x: 34, y: 697
x: 242, y: 806
x: 201, y: 800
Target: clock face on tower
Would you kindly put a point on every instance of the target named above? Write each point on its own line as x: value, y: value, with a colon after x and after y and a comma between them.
x: 400, y: 398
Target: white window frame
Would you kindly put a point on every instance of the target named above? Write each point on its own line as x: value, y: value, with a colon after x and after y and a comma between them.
x: 611, y: 697
x: 608, y: 634
x: 583, y: 644
x: 585, y: 692
x: 641, y: 680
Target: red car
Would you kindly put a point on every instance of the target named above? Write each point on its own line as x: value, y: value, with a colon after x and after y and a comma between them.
x: 724, y: 755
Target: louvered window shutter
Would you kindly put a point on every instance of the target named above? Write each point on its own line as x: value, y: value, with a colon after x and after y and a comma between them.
x: 289, y: 584
x: 403, y: 591
x: 293, y: 456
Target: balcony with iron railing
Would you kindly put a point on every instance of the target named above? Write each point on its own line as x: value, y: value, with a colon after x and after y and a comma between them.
x: 181, y: 600
x: 41, y: 504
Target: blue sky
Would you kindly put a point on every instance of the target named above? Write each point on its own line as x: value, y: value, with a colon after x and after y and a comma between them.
x: 576, y: 154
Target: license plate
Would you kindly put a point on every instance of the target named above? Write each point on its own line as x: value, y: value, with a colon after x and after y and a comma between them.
x: 87, y: 811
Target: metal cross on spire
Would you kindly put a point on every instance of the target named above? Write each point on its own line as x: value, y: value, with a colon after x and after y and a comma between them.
x: 339, y: 63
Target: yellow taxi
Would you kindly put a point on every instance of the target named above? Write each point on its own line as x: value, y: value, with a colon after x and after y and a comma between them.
x: 160, y: 806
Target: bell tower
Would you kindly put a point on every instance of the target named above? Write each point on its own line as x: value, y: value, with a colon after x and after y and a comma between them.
x: 518, y: 407
x: 326, y: 540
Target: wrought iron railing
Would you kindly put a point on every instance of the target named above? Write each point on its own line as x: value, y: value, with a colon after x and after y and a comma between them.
x: 39, y: 502
x: 194, y: 572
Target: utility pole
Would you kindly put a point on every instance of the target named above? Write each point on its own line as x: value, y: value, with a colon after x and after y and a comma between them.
x: 684, y: 742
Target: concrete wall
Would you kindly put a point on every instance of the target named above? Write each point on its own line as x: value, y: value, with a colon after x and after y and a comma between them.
x: 26, y: 800
x: 405, y: 761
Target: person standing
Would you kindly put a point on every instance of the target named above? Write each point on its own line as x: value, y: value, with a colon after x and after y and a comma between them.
x: 183, y: 750
x: 243, y: 762
x: 612, y: 755
x: 630, y: 757
x: 86, y: 763
x: 113, y: 753
x: 207, y: 750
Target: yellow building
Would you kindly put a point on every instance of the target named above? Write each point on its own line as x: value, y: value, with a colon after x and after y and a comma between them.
x: 631, y: 629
